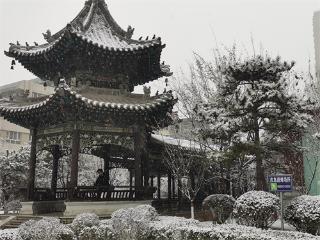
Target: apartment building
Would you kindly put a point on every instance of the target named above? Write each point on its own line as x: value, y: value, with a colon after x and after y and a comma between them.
x: 13, y: 137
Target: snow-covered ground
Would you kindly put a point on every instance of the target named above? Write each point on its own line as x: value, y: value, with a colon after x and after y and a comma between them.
x: 224, y: 231
x: 143, y: 222
x: 277, y: 225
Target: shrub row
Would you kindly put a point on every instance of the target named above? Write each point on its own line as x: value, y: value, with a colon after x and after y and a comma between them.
x: 260, y: 209
x: 143, y: 223
x: 254, y: 208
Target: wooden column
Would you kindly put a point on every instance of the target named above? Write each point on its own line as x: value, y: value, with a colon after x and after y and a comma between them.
x: 139, y: 148
x: 179, y: 192
x: 55, y: 165
x: 32, y: 164
x: 75, y: 158
x: 159, y: 185
x: 146, y: 175
x: 130, y: 182
x: 151, y: 181
x: 131, y: 178
x: 106, y: 164
x: 169, y: 186
x: 173, y: 187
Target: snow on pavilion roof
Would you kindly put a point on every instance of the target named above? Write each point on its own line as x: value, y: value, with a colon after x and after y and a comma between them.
x: 95, y: 25
x: 93, y: 41
x: 87, y: 103
x: 130, y: 102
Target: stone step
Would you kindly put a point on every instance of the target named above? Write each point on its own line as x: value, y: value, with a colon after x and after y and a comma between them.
x: 9, y: 226
x: 17, y: 221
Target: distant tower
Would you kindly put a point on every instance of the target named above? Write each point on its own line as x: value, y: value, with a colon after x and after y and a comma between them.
x: 316, y: 37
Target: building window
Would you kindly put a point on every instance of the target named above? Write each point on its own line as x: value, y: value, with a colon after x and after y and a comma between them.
x: 14, y: 137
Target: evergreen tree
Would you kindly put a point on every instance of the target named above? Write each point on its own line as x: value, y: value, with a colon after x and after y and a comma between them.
x: 253, y: 112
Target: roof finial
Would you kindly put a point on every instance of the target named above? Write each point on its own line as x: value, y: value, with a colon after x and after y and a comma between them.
x: 47, y: 36
x: 147, y: 91
x: 130, y: 31
x: 63, y: 84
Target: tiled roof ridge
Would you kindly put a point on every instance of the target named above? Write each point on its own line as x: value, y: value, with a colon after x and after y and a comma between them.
x: 162, y: 99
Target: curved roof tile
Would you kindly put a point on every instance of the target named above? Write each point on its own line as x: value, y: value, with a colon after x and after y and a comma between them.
x: 130, y: 102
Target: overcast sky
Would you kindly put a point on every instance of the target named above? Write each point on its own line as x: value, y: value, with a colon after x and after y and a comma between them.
x: 283, y: 27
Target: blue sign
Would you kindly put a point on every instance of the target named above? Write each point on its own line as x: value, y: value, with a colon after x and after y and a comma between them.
x: 280, y: 183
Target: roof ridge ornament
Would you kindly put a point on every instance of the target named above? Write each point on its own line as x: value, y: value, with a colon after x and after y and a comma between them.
x: 130, y: 31
x: 147, y: 91
x: 48, y: 36
x: 63, y: 84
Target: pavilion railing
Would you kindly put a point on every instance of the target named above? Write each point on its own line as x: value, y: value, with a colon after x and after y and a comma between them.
x: 101, y: 193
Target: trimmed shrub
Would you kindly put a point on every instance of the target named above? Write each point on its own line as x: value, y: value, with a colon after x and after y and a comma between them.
x: 106, y: 222
x: 220, y: 205
x: 257, y: 208
x: 84, y: 220
x: 168, y: 228
x: 24, y: 230
x: 14, y: 205
x: 101, y: 232
x: 158, y: 228
x: 303, y: 212
x: 129, y: 223
x: 8, y: 234
x: 163, y: 230
x: 44, y: 229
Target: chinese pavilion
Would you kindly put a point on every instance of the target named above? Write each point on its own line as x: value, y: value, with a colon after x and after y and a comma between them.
x: 94, y: 65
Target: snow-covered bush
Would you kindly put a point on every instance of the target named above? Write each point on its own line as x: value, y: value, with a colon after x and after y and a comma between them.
x: 129, y: 223
x: 106, y: 222
x: 8, y: 234
x: 256, y: 208
x: 44, y: 229
x: 14, y: 205
x: 84, y: 220
x: 101, y: 232
x: 303, y: 212
x: 154, y: 228
x: 221, y: 206
x: 168, y: 228
x: 173, y: 228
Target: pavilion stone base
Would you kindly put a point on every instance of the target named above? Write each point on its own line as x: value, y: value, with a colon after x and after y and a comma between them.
x: 43, y: 207
x: 71, y: 209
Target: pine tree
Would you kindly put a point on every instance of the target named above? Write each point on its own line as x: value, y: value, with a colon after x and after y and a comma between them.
x: 253, y: 112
